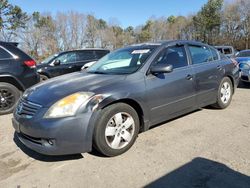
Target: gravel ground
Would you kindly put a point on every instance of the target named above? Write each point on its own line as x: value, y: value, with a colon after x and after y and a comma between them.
x: 207, y: 148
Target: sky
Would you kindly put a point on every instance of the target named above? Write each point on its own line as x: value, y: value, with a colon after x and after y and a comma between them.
x: 125, y: 13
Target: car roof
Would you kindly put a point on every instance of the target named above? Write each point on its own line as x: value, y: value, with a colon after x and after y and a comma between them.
x: 245, y: 50
x: 85, y: 49
x: 166, y: 42
x: 8, y: 43
x: 223, y: 46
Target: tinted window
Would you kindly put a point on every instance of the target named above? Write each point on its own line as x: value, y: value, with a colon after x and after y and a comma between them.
x: 100, y: 54
x: 85, y: 55
x: 67, y: 58
x: 220, y: 50
x: 243, y: 54
x: 200, y: 54
x: 214, y: 53
x: 4, y: 54
x: 175, y: 56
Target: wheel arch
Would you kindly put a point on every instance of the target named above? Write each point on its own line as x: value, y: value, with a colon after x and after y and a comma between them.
x: 45, y: 74
x: 135, y: 105
x: 12, y: 80
x: 232, y: 80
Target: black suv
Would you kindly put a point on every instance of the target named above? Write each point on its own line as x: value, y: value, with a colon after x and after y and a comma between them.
x: 17, y: 73
x: 68, y: 62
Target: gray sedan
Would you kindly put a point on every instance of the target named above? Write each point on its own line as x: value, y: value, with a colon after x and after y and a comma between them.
x: 124, y: 93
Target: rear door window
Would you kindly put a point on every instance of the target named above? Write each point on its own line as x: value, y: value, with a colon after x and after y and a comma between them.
x: 200, y: 54
x: 175, y: 55
x: 215, y: 54
x: 100, y: 53
x: 85, y: 56
x: 4, y: 54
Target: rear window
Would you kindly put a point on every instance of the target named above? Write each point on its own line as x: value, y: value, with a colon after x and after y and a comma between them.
x: 4, y: 54
x: 228, y: 51
x: 200, y: 54
x: 214, y: 53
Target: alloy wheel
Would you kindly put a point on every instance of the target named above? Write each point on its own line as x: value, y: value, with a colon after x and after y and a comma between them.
x: 120, y: 130
x: 7, y: 99
x: 225, y: 92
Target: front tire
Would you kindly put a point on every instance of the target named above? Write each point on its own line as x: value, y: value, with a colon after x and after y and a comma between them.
x: 116, y: 129
x: 9, y: 96
x: 225, y: 93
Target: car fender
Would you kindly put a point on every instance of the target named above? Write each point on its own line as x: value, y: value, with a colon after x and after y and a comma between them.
x: 17, y: 83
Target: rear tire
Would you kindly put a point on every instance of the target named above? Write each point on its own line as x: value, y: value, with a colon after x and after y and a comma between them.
x: 225, y: 93
x: 116, y: 130
x: 9, y: 96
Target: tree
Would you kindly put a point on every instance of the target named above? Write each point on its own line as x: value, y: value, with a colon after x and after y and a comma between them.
x: 146, y: 33
x: 207, y: 21
x: 11, y: 19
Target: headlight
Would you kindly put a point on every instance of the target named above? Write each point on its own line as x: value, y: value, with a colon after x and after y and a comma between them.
x: 68, y: 106
x: 244, y: 66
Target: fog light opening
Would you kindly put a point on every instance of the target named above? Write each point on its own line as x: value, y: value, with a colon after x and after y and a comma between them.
x: 50, y: 142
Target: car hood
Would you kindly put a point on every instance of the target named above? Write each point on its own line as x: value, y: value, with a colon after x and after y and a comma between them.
x: 49, y: 92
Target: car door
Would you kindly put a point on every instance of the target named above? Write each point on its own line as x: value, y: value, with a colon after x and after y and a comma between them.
x: 208, y: 73
x: 171, y: 94
x: 67, y: 64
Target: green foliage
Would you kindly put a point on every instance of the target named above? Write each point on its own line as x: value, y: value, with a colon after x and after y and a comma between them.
x: 11, y: 17
x: 208, y: 19
x: 146, y: 34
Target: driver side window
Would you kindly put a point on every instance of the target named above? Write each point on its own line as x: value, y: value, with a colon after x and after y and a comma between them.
x: 67, y: 58
x: 174, y: 55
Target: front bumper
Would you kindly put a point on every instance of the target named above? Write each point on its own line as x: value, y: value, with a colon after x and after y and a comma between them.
x: 62, y: 136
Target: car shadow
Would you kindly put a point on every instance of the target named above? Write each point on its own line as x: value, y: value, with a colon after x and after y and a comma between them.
x: 202, y: 173
x: 244, y: 85
x: 44, y: 158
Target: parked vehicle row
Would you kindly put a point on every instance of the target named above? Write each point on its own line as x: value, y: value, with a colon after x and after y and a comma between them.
x: 124, y: 93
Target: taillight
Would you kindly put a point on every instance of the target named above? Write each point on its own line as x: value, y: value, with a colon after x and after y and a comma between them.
x: 30, y: 63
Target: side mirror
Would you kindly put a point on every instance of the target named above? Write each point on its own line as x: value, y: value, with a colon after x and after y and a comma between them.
x: 57, y: 62
x: 161, y: 68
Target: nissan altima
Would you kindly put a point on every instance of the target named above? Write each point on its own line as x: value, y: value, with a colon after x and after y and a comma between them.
x: 124, y: 93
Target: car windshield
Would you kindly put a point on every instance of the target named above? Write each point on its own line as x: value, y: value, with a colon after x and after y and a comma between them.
x: 243, y: 54
x: 123, y: 61
x: 48, y: 59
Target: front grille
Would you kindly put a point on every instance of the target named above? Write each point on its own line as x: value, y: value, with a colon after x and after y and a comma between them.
x: 31, y: 139
x: 26, y: 108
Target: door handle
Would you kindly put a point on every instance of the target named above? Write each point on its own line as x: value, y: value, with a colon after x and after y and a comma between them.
x: 189, y: 77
